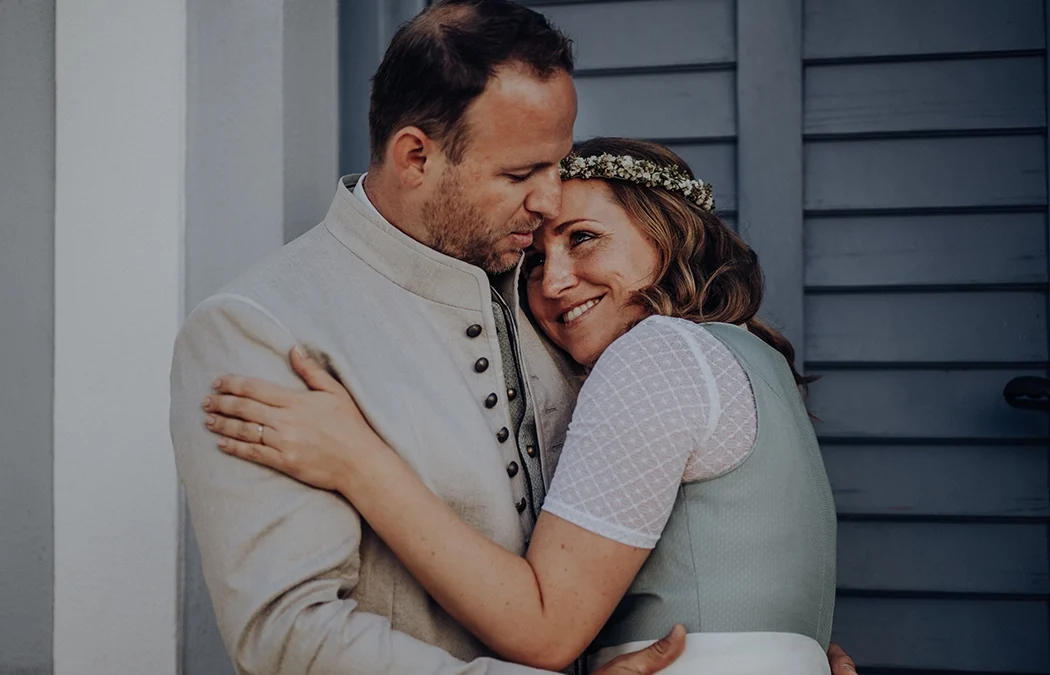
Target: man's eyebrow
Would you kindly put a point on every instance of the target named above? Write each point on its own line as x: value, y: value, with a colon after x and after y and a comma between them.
x: 531, y: 167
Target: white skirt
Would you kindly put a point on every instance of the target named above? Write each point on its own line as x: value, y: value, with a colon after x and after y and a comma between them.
x: 736, y: 654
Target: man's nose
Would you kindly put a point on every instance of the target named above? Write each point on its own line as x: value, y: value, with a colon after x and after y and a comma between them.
x: 545, y: 197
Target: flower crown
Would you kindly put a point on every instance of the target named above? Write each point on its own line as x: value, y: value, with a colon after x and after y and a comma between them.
x: 641, y: 171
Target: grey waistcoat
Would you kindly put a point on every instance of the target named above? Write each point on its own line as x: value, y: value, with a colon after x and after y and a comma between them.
x: 751, y: 550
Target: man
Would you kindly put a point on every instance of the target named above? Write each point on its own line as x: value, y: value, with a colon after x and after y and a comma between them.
x: 472, y: 108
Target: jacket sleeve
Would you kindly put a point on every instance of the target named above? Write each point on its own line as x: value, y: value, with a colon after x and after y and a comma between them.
x: 280, y: 559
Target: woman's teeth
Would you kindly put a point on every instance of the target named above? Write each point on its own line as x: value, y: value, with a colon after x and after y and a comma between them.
x: 577, y: 312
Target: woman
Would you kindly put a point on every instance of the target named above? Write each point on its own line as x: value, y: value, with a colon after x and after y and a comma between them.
x: 690, y: 487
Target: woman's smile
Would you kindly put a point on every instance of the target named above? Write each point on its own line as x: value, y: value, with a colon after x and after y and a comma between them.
x: 584, y: 269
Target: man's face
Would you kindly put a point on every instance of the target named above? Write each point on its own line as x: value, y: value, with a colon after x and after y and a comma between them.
x: 486, y: 208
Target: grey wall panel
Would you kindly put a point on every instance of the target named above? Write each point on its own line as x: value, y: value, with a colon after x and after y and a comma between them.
x: 968, y: 94
x: 957, y: 249
x: 234, y: 122
x: 203, y: 650
x: 926, y: 172
x: 964, y: 635
x: 974, y: 326
x: 360, y: 51
x: 836, y: 28
x: 27, y: 332
x: 770, y: 159
x: 961, y: 480
x: 676, y: 105
x: 714, y: 163
x: 311, y: 110
x: 944, y: 557
x: 645, y: 34
x: 922, y: 404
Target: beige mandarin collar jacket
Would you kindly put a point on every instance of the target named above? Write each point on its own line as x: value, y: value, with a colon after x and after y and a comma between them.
x: 299, y: 583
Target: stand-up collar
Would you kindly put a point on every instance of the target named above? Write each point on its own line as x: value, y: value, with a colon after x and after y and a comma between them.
x: 406, y: 262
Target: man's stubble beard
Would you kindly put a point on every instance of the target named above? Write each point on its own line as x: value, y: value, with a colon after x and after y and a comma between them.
x: 458, y: 229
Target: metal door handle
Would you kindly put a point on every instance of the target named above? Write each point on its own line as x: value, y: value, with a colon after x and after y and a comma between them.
x: 1028, y: 391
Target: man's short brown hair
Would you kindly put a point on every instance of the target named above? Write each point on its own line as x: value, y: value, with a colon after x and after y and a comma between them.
x: 440, y: 61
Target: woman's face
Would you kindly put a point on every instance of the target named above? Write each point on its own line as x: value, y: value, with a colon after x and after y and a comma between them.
x: 583, y: 268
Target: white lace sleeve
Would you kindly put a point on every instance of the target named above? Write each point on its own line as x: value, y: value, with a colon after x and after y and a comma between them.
x: 666, y: 402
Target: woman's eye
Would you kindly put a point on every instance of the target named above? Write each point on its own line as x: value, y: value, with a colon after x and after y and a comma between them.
x: 532, y: 263
x: 580, y: 236
x: 515, y: 178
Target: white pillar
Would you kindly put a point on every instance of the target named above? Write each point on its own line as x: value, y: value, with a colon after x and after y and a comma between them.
x: 119, y: 222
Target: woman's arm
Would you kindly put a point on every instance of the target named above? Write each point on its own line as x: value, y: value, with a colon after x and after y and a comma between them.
x: 542, y: 610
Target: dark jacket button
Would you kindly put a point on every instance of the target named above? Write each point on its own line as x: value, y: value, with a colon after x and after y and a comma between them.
x: 481, y: 365
x: 473, y: 331
x: 502, y: 435
x: 512, y: 469
x: 530, y: 450
x: 512, y: 394
x: 491, y: 400
x: 520, y: 506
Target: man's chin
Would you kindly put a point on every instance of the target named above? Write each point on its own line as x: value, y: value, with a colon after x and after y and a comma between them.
x: 502, y: 263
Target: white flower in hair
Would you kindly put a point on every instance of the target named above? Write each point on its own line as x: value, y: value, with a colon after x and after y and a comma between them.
x: 640, y: 171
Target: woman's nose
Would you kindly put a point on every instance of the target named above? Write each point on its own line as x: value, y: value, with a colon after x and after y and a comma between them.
x: 558, y: 276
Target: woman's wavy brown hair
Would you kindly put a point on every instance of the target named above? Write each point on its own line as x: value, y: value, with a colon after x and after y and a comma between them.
x: 706, y: 272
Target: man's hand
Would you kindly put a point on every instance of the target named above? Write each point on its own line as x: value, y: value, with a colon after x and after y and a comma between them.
x: 653, y: 658
x: 840, y: 662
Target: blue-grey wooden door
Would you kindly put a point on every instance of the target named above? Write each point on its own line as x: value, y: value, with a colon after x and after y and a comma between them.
x: 888, y: 161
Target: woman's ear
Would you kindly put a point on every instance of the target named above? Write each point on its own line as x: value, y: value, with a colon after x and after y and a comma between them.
x: 412, y: 154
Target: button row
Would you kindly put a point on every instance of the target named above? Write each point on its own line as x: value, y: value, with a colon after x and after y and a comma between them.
x: 480, y: 366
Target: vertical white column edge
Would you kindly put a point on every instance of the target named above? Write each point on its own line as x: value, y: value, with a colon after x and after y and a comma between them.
x: 120, y: 147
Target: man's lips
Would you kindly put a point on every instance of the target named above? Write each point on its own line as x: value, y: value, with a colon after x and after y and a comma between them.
x: 521, y: 240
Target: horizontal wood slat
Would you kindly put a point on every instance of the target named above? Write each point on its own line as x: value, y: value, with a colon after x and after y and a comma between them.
x: 959, y: 249
x: 859, y: 28
x: 942, y: 557
x: 886, y: 97
x: 969, y: 635
x: 921, y: 404
x: 956, y: 481
x: 646, y: 34
x: 940, y: 327
x: 926, y: 172
x: 664, y: 105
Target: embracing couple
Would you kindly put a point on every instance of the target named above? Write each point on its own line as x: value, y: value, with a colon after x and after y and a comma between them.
x: 384, y: 477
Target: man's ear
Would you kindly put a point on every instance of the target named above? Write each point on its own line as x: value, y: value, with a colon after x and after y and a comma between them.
x: 412, y: 154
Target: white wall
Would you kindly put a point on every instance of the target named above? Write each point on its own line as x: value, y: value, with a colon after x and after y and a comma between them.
x: 119, y: 210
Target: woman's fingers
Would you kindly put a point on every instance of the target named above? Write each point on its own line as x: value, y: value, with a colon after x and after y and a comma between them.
x: 259, y: 390
x: 242, y: 408
x: 253, y: 452
x: 312, y: 372
x: 249, y: 432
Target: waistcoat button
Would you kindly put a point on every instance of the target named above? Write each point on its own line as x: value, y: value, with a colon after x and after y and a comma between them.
x: 481, y: 365
x: 512, y: 469
x: 473, y: 331
x: 502, y: 435
x: 491, y: 400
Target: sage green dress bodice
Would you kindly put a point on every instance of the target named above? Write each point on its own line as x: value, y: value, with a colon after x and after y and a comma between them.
x: 752, y: 549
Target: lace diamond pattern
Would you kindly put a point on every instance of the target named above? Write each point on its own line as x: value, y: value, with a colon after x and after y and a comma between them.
x: 667, y: 403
